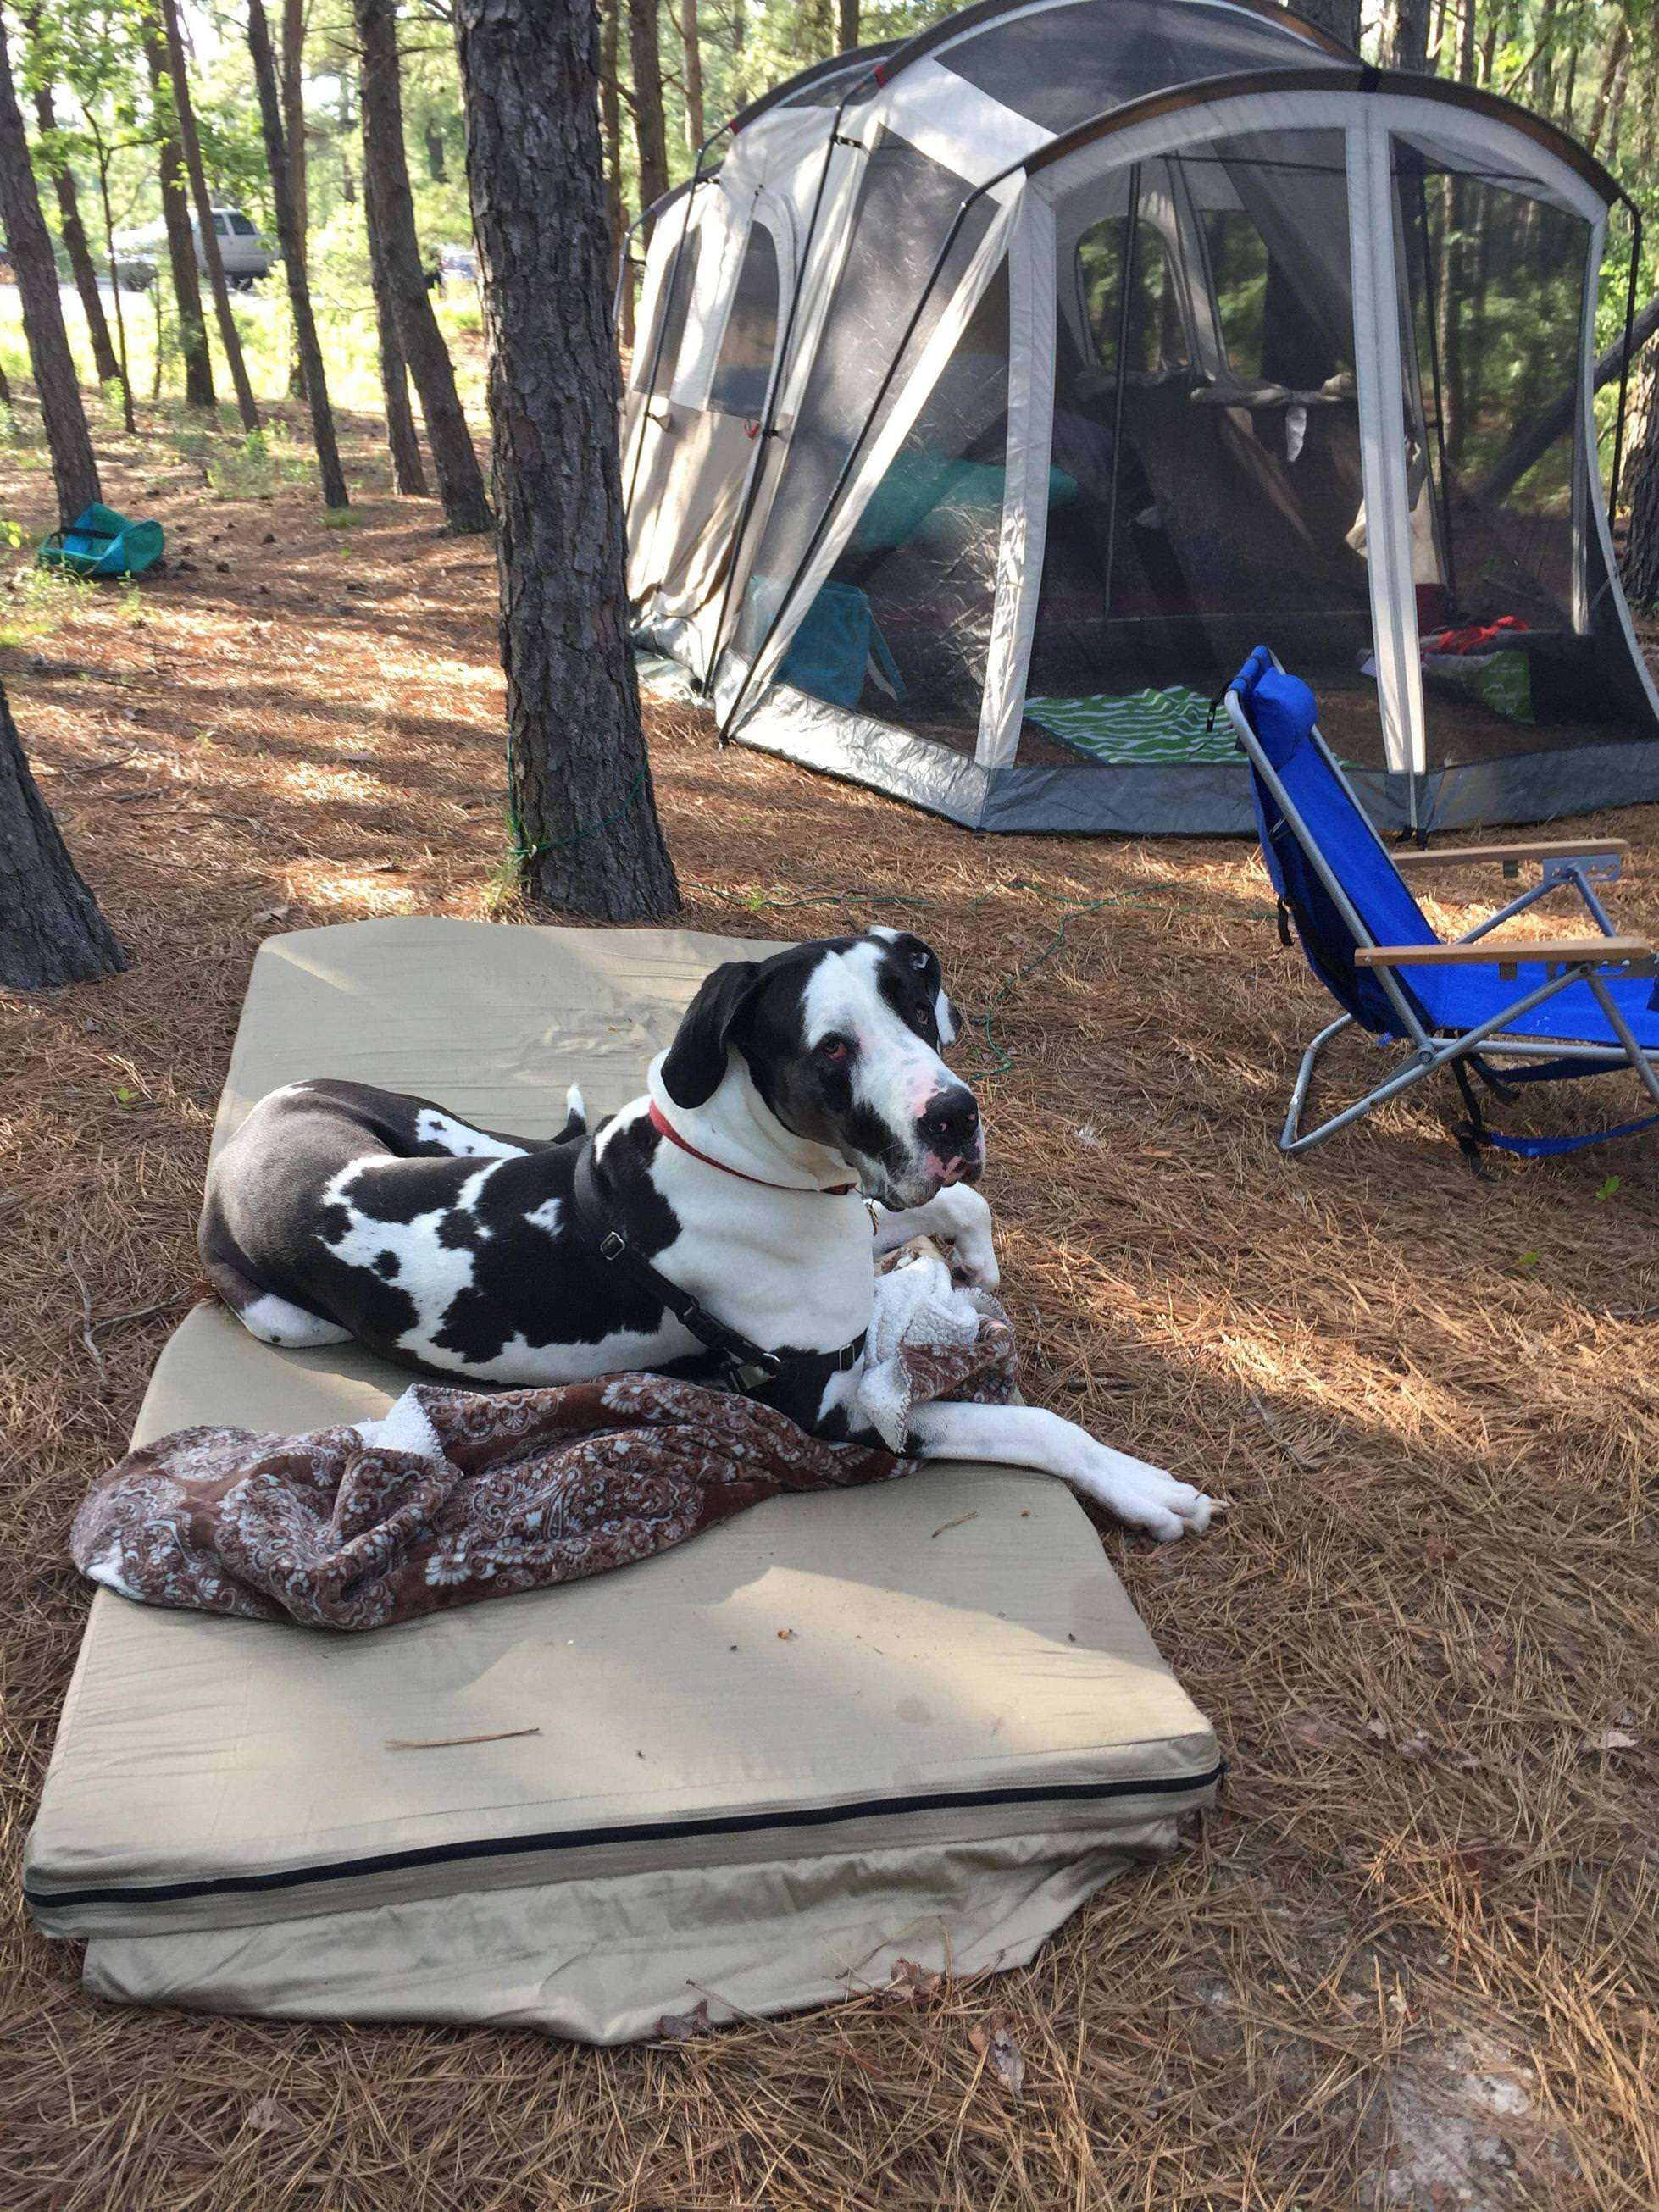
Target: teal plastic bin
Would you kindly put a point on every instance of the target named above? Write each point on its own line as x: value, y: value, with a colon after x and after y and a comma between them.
x: 102, y: 543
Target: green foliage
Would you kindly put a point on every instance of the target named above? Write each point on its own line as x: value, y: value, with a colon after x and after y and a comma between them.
x: 262, y: 465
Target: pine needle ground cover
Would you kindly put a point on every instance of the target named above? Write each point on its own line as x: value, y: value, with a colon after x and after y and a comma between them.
x: 1415, y: 1960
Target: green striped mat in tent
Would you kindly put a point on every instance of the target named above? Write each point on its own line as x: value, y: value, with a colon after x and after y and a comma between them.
x: 1168, y: 726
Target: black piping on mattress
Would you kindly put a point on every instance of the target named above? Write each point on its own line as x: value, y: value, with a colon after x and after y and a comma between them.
x: 720, y: 1824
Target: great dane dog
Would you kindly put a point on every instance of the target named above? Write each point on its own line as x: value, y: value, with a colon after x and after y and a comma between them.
x: 726, y: 1216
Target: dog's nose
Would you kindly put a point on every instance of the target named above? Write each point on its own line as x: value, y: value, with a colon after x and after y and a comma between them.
x: 951, y: 1121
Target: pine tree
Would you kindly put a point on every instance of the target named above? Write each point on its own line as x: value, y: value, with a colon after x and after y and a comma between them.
x: 580, y: 783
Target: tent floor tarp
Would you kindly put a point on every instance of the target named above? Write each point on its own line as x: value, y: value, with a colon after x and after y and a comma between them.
x: 760, y: 1768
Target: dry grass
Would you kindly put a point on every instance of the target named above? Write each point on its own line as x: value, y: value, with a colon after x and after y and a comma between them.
x: 1412, y: 1962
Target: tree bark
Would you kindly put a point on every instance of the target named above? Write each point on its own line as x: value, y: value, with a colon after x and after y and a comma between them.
x: 649, y: 136
x: 294, y: 258
x: 402, y: 440
x: 611, y: 126
x: 190, y: 146
x: 1339, y: 17
x: 51, y: 932
x: 123, y: 358
x: 849, y: 25
x: 294, y: 114
x: 1465, y: 59
x: 1641, y: 564
x: 75, y: 470
x: 181, y: 246
x: 73, y: 233
x: 1615, y: 62
x: 691, y: 40
x: 436, y: 167
x: 391, y: 210
x: 1409, y: 48
x: 578, y: 779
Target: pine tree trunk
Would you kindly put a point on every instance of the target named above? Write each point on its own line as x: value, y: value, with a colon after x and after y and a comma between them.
x: 1410, y: 45
x: 848, y: 26
x: 293, y: 115
x: 291, y: 78
x: 579, y: 782
x: 181, y: 246
x: 73, y: 233
x: 75, y: 470
x: 1640, y: 563
x: 402, y: 440
x: 696, y: 128
x: 1339, y: 17
x: 649, y: 136
x: 191, y: 147
x: 1465, y: 44
x: 1615, y: 62
x: 293, y: 258
x: 437, y: 168
x: 124, y: 362
x: 392, y: 211
x: 51, y: 930
x: 611, y: 126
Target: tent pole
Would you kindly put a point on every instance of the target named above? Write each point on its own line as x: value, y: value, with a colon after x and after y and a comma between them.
x: 768, y: 428
x: 1431, y: 302
x: 821, y: 526
x: 1624, y: 361
x: 1380, y: 370
x: 657, y: 336
x: 1125, y: 295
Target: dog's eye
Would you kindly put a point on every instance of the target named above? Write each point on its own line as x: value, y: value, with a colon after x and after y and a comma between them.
x: 832, y: 1049
x: 919, y: 960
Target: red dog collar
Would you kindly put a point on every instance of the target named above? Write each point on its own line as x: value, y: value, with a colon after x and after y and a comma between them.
x: 660, y: 1122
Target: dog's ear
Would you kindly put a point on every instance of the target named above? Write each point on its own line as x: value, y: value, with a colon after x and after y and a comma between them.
x: 695, y: 1062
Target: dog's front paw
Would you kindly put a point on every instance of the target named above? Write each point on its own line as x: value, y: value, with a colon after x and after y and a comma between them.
x: 1145, y: 1497
x: 963, y: 1219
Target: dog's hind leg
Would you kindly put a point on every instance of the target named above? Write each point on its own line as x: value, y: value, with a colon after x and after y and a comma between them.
x: 272, y: 1320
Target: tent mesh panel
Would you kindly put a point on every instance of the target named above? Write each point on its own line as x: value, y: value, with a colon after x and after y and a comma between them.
x: 1206, y: 491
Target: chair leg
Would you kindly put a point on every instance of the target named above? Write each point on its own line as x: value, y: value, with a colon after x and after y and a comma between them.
x: 1288, y: 1136
x: 1621, y: 1030
x: 1420, y: 1065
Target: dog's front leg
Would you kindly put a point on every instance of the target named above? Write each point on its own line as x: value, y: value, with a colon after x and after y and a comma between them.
x: 961, y: 1219
x: 1026, y: 1435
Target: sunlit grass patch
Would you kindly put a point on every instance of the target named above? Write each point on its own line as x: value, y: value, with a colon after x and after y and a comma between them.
x: 266, y: 462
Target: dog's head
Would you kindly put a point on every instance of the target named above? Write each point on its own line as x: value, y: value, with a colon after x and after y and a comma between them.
x: 843, y: 1041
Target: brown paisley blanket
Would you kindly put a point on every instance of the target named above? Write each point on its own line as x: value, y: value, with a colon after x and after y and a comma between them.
x: 457, y: 1495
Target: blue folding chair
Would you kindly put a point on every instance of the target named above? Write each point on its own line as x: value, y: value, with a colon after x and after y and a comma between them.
x: 1586, y: 1003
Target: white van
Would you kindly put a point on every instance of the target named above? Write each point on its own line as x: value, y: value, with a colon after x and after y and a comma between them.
x: 246, y: 254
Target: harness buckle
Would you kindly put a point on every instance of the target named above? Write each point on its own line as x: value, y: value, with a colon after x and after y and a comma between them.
x: 749, y: 1374
x: 613, y: 1246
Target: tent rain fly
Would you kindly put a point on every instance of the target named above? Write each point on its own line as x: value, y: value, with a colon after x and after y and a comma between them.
x: 997, y: 391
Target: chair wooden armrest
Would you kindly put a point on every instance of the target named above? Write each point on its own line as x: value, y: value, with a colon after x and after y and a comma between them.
x: 1488, y: 952
x: 1539, y: 849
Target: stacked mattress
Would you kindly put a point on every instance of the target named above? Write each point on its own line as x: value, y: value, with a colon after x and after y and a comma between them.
x: 915, y: 1720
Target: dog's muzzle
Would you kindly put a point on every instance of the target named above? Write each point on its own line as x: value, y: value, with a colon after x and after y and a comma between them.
x: 953, y: 1143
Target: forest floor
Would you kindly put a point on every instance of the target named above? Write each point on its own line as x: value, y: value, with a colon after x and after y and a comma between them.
x: 1414, y: 1960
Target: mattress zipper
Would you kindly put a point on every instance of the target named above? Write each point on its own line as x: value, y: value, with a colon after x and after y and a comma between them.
x: 714, y: 1824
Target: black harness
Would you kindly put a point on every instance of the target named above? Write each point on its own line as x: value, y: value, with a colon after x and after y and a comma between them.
x: 732, y: 1359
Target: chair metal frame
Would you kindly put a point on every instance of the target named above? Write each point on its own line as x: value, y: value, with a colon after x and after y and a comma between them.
x: 1433, y: 1049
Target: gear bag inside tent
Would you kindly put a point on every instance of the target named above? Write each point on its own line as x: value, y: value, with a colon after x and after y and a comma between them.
x: 996, y: 392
